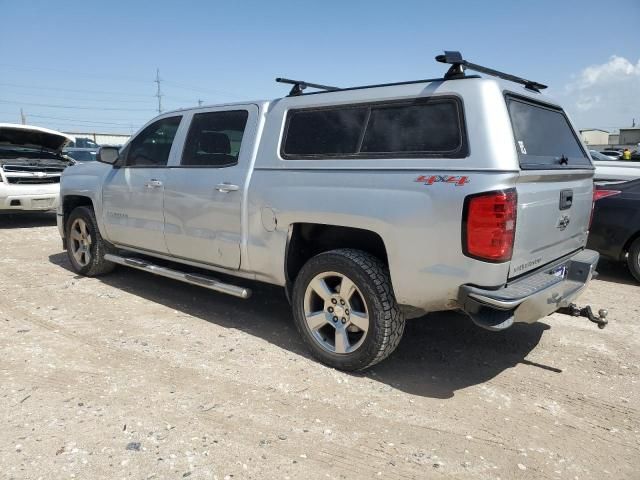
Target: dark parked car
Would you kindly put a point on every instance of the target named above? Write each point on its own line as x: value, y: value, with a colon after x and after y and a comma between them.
x: 81, y: 154
x: 615, y: 231
x: 83, y: 142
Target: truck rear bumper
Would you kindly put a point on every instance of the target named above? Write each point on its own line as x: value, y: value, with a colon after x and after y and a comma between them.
x: 531, y: 298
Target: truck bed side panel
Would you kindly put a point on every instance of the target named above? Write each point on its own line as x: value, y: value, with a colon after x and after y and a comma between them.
x: 419, y: 222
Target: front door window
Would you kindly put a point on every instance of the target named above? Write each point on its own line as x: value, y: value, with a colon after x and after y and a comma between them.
x: 151, y: 147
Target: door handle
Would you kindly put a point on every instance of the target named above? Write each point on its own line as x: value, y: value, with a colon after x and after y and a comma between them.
x: 566, y: 199
x: 227, y: 187
x: 153, y: 183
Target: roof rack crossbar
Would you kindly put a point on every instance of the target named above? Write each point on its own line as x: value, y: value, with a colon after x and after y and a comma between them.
x: 300, y: 85
x: 459, y: 64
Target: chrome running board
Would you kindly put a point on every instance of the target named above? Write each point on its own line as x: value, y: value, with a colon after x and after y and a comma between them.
x: 192, y: 278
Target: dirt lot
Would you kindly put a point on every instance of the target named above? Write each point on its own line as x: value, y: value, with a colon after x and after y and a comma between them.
x: 133, y: 376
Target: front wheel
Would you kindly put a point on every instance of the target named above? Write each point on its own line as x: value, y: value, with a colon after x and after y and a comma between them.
x: 345, y: 309
x: 85, y: 247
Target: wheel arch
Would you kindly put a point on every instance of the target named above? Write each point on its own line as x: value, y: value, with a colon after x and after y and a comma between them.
x: 71, y: 202
x: 306, y: 240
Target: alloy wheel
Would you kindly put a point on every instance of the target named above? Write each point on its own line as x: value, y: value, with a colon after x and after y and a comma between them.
x: 80, y: 242
x: 336, y: 313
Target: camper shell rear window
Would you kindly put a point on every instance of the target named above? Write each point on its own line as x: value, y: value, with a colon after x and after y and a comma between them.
x: 544, y: 137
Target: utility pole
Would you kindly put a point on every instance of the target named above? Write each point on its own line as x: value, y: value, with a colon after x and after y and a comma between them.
x: 199, y: 102
x: 23, y: 117
x: 158, y: 92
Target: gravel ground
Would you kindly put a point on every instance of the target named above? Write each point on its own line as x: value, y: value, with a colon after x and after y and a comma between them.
x: 136, y: 376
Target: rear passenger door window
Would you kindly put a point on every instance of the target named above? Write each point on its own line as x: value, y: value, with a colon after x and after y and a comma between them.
x: 203, y: 194
x: 426, y: 127
x: 214, y: 139
x: 151, y: 147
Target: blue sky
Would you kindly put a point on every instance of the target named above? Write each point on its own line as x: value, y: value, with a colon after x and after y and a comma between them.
x: 96, y: 61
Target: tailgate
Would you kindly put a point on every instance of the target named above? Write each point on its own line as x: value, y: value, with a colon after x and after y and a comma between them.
x: 553, y: 218
x: 555, y: 187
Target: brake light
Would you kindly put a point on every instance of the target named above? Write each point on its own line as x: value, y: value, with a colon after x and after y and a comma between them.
x: 489, y: 225
x: 599, y: 195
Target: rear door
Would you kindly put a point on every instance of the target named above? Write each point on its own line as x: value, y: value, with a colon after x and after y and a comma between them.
x: 555, y: 188
x: 203, y: 194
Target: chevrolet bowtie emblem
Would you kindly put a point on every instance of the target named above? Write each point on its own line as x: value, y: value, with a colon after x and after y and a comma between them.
x: 563, y: 222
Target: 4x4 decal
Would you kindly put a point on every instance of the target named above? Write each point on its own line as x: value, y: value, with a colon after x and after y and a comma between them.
x: 457, y: 180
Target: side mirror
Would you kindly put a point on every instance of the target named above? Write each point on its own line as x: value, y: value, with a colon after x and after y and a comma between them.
x: 108, y: 155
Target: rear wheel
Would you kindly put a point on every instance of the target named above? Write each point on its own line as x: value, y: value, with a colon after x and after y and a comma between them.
x: 85, y: 247
x: 345, y: 310
x: 633, y: 259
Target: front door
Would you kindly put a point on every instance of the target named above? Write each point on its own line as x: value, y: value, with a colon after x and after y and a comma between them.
x: 203, y: 193
x: 132, y: 193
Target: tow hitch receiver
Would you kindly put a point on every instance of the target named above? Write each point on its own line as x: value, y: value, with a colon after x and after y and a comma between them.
x: 575, y: 311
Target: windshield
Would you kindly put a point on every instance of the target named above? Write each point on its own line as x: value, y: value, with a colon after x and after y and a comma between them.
x: 544, y: 138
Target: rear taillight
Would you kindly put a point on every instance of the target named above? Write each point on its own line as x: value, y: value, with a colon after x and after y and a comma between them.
x: 489, y: 225
x: 599, y: 194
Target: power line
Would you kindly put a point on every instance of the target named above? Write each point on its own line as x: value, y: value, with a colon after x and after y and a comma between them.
x: 74, y: 127
x: 103, y: 100
x: 86, y: 99
x: 74, y: 90
x: 204, y: 90
x: 78, y: 126
x: 74, y: 107
x: 70, y: 126
x: 122, y: 78
x: 121, y: 94
x: 75, y: 74
x: 97, y: 122
x: 119, y: 120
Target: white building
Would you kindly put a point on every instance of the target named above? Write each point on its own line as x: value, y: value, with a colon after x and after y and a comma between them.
x: 102, y: 138
x: 594, y: 136
x: 630, y: 136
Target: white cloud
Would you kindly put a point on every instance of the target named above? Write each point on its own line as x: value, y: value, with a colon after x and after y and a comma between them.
x: 605, y: 95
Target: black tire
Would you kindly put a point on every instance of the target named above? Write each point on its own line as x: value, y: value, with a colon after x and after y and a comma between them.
x: 633, y: 259
x: 371, y: 277
x: 96, y: 264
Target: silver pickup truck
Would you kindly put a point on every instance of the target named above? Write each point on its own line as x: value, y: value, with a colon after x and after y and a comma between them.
x: 369, y: 205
